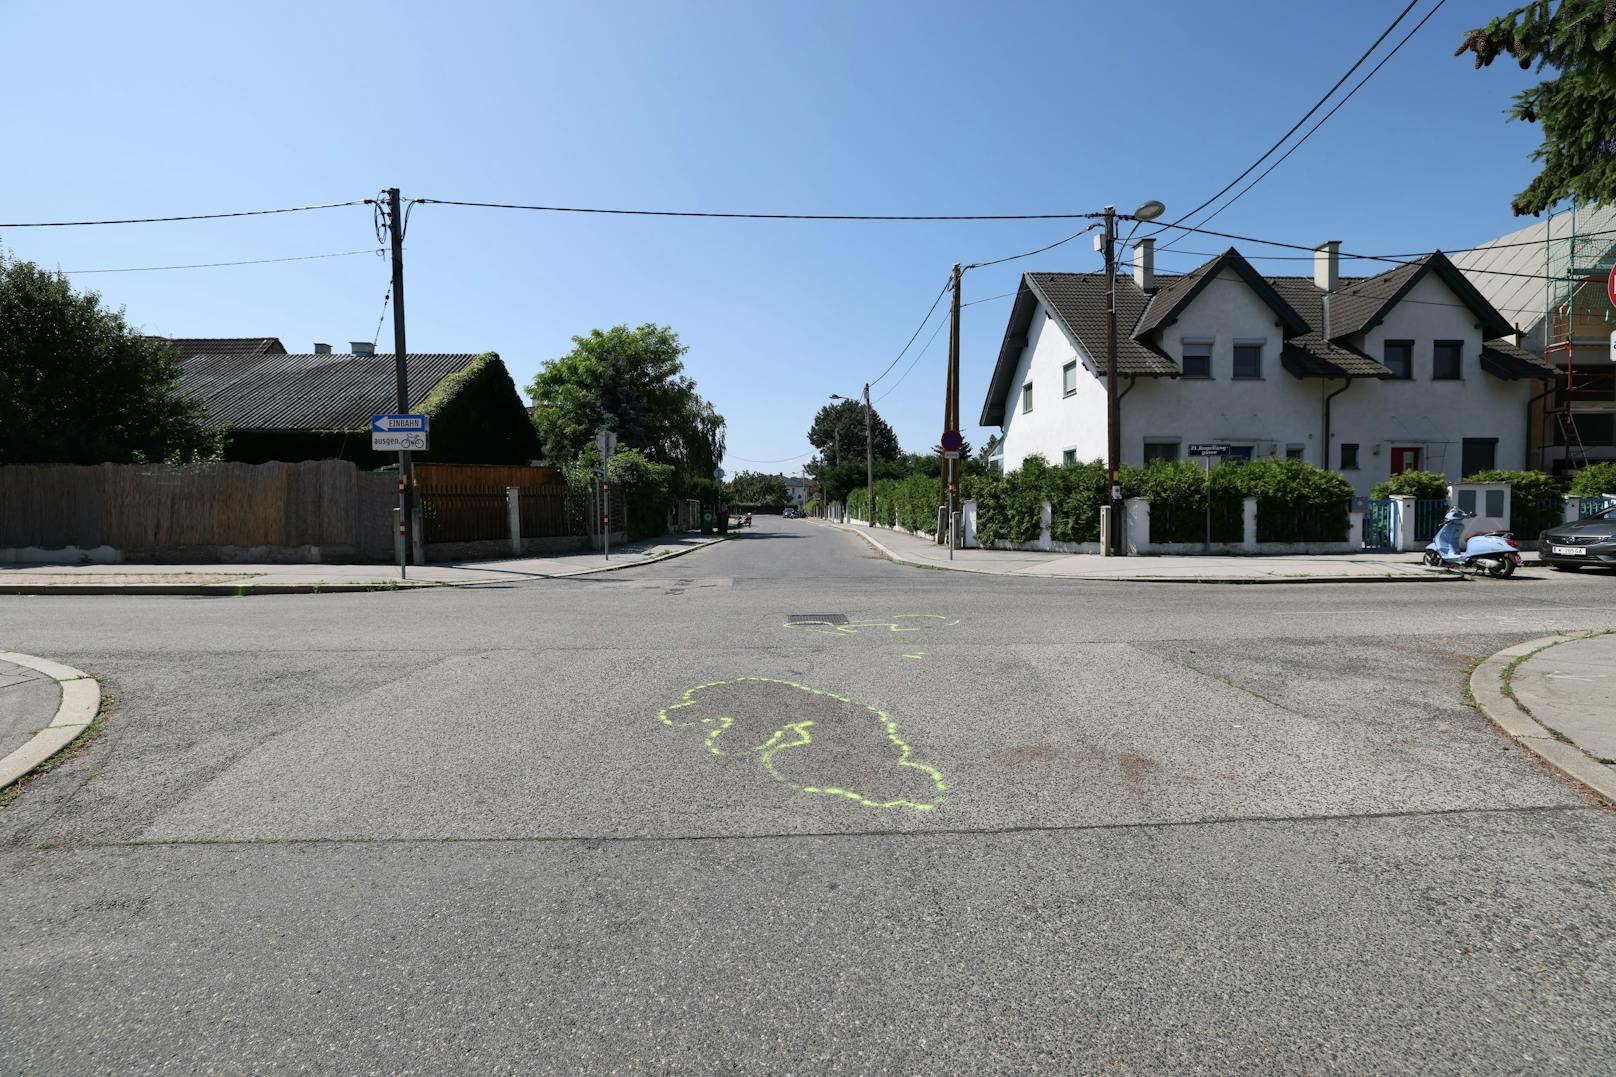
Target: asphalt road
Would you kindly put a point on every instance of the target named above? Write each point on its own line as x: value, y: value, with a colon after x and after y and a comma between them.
x: 643, y: 823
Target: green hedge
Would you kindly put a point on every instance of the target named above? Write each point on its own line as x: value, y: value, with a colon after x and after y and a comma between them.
x: 909, y: 503
x: 1426, y: 485
x: 1595, y: 479
x: 1295, y: 501
x: 1535, y: 499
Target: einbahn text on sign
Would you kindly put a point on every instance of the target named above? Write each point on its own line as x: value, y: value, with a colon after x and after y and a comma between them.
x: 398, y: 433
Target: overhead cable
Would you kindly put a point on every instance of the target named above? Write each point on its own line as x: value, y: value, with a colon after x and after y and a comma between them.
x: 186, y: 217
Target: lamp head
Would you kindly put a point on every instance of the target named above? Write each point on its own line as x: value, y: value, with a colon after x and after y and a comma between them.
x: 1149, y: 211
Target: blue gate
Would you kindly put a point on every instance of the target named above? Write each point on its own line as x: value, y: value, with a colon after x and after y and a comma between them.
x: 1593, y: 506
x: 1428, y: 513
x: 1380, y: 521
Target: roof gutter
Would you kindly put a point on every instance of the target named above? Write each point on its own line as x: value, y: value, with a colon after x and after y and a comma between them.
x: 1346, y: 383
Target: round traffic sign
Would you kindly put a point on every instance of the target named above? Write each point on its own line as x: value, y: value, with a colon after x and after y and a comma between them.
x: 1610, y: 285
x: 952, y: 440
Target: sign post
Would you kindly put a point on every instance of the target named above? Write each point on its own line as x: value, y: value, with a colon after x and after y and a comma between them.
x: 952, y: 441
x: 1206, y: 453
x: 402, y: 434
x: 606, y: 442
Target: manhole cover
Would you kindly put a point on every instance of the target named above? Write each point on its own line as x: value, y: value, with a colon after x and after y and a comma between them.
x: 816, y: 618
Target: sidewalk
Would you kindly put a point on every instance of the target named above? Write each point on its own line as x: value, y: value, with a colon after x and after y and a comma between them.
x: 44, y: 707
x: 1322, y: 568
x: 1556, y: 696
x: 216, y: 579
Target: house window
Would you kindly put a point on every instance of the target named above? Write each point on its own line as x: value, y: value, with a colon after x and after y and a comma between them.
x: 1478, y: 454
x: 1447, y: 361
x: 1068, y: 457
x: 1161, y: 449
x: 1349, y: 456
x: 1399, y: 358
x: 1026, y: 398
x: 1294, y: 452
x: 1069, y: 378
x: 1197, y: 359
x: 1247, y: 361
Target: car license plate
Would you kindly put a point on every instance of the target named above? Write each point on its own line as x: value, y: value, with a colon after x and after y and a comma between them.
x: 1568, y: 551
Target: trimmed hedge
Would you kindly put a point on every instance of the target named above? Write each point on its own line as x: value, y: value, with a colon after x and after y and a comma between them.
x: 1426, y: 485
x: 1595, y: 479
x: 909, y: 503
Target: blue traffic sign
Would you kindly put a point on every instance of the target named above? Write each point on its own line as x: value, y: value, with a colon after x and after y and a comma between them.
x: 383, y: 424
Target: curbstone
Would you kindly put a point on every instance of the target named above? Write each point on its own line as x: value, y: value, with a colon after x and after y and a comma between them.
x: 1236, y: 581
x: 1490, y: 691
x: 77, y: 708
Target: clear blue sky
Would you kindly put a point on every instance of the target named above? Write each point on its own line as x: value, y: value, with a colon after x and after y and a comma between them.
x: 865, y: 107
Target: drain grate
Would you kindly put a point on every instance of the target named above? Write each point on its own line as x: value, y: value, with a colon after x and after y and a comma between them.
x: 816, y: 618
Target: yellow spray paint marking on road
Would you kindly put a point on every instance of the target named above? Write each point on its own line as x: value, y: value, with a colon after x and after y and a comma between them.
x: 917, y: 654
x: 907, y: 622
x: 875, y: 765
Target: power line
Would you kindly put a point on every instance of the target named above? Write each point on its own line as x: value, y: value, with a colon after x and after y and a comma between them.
x: 766, y: 216
x: 216, y: 265
x: 186, y: 217
x: 912, y: 362
x: 1325, y: 118
x: 782, y: 460
x: 1029, y: 254
x: 991, y: 298
x: 942, y: 292
x: 1283, y: 138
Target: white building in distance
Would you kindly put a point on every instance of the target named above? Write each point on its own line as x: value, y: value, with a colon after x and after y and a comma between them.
x: 1407, y: 370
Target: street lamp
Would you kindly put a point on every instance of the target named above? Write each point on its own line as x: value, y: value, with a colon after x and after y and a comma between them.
x: 1147, y: 211
x: 869, y: 452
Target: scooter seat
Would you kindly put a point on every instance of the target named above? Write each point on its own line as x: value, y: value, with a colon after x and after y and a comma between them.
x: 1482, y: 534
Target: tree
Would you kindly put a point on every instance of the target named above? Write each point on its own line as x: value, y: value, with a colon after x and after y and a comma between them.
x: 756, y: 488
x: 631, y: 381
x: 1577, y: 107
x: 839, y: 427
x: 985, y: 456
x: 78, y: 386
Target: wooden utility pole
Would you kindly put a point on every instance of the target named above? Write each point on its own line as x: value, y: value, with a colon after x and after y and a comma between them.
x: 1113, y: 411
x: 869, y: 452
x: 401, y: 371
x: 950, y: 470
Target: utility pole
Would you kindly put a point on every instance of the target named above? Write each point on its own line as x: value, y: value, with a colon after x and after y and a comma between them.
x: 869, y: 452
x: 951, y: 407
x: 1113, y: 449
x: 406, y: 470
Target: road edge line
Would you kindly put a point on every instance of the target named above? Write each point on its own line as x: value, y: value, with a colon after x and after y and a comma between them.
x: 1490, y: 691
x: 79, y: 704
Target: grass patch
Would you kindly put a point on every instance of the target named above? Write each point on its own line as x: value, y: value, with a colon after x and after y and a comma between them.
x: 88, y: 734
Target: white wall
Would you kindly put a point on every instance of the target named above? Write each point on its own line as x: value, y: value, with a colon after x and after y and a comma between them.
x: 1433, y: 415
x: 1279, y: 410
x: 1269, y: 414
x: 1056, y: 422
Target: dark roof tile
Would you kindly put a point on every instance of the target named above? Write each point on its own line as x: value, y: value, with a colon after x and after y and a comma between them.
x: 307, y: 392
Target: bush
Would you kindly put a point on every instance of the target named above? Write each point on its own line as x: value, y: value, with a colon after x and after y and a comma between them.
x: 1011, y: 508
x: 1075, y: 493
x: 1425, y: 485
x: 1177, y: 492
x: 1535, y: 499
x: 1595, y: 479
x: 1296, y: 502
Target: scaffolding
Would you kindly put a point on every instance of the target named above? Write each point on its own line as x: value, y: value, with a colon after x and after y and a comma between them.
x: 1576, y: 313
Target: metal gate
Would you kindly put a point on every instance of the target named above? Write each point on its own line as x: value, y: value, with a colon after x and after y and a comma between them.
x: 1380, y: 521
x: 1428, y: 513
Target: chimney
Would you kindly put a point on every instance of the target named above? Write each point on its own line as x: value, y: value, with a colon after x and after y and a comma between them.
x: 1144, y: 264
x: 1327, y: 265
x: 361, y: 347
x: 322, y: 349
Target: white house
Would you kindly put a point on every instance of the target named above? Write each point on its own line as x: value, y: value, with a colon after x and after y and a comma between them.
x: 1402, y: 371
x: 798, y: 490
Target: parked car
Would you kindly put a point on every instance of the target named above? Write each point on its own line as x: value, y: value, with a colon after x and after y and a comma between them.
x: 1588, y: 541
x: 789, y: 514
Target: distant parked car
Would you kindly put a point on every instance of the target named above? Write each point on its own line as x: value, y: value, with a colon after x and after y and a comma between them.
x: 789, y: 513
x: 1588, y: 541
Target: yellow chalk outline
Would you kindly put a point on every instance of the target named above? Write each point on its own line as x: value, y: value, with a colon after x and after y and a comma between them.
x: 775, y: 744
x: 854, y: 627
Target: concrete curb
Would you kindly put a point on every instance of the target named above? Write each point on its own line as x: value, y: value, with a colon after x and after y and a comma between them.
x: 81, y: 700
x: 247, y: 588
x: 1249, y: 581
x: 1490, y: 691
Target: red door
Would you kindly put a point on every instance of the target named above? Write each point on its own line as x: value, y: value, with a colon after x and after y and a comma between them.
x: 1404, y: 459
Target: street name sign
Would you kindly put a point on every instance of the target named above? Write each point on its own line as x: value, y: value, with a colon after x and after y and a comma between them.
x: 398, y: 433
x: 950, y: 454
x: 1208, y: 450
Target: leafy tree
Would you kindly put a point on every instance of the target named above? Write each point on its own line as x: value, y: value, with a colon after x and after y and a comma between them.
x: 631, y: 381
x: 78, y: 386
x: 756, y: 488
x: 1577, y: 108
x: 839, y: 427
x: 986, y: 454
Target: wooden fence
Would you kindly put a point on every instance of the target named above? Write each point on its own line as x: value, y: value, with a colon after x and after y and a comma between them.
x: 315, y: 510
x: 463, y: 503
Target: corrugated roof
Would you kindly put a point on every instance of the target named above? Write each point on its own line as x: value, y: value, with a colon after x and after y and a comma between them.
x: 307, y: 392
x: 1523, y: 299
x: 190, y: 346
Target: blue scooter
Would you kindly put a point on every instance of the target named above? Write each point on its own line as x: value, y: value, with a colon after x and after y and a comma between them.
x: 1493, y: 552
